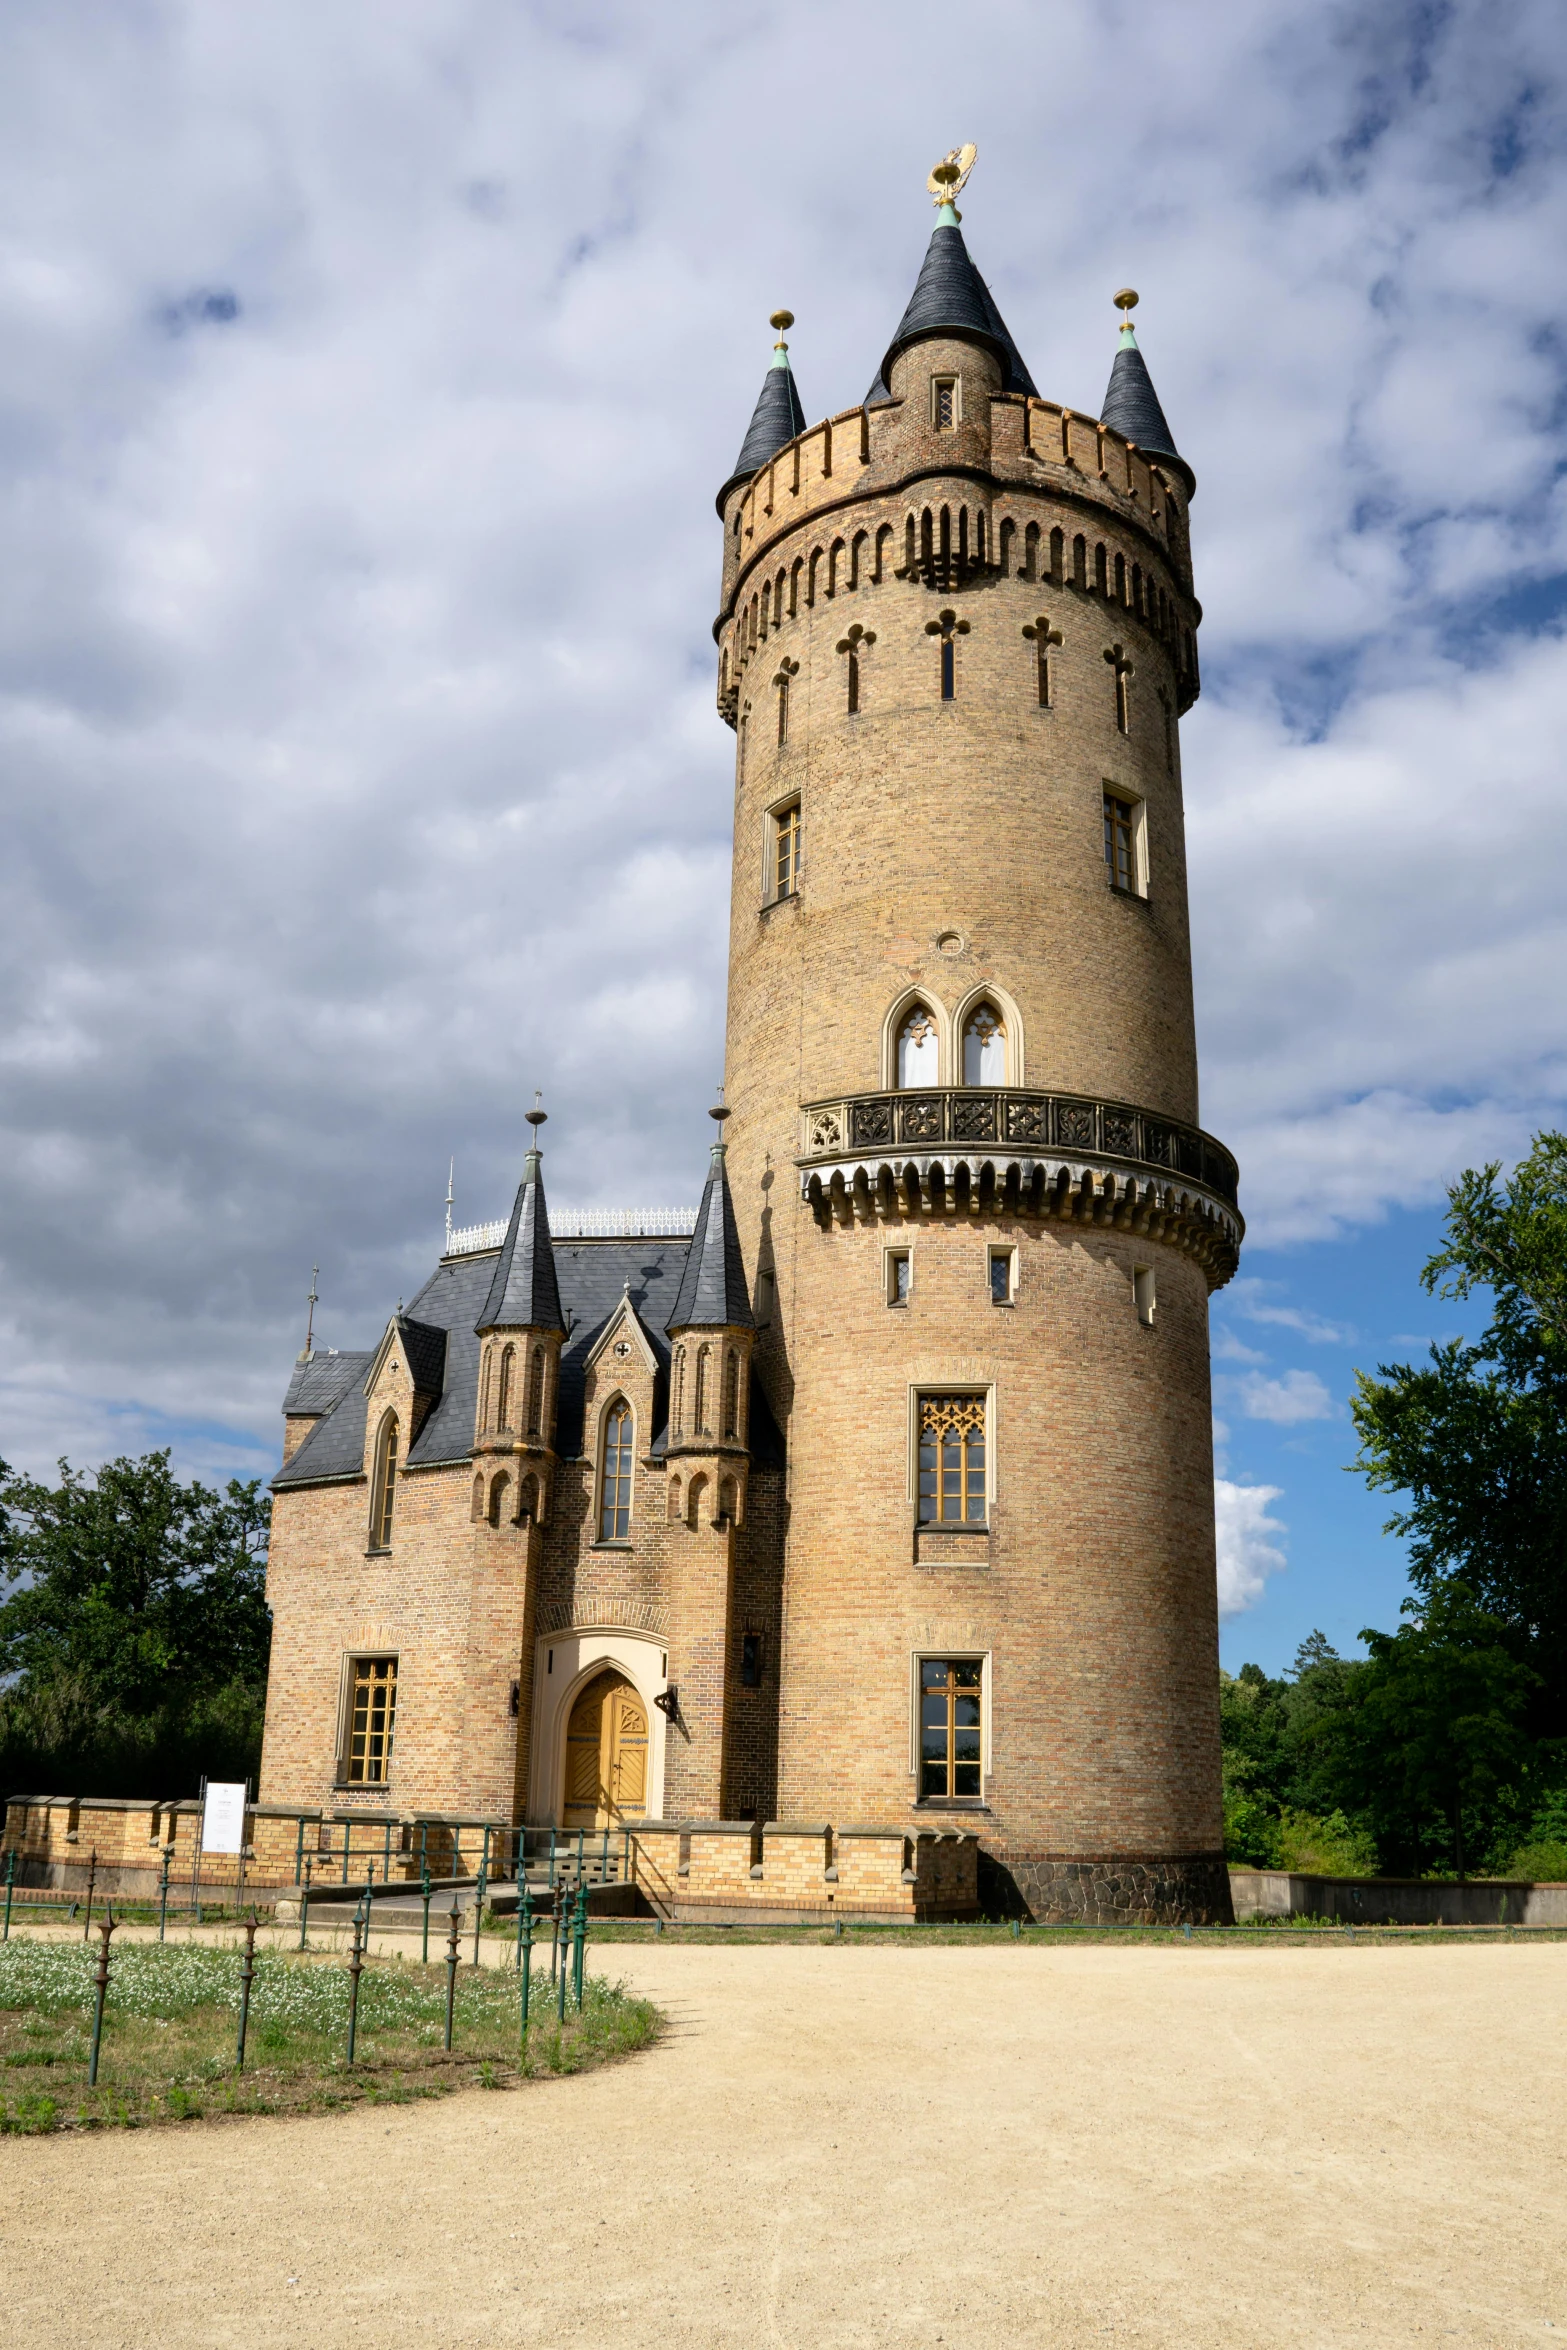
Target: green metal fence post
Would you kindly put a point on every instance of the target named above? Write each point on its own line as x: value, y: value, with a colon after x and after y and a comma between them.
x: 10, y: 1880
x: 304, y: 1902
x: 92, y: 1879
x: 355, y: 1969
x: 163, y: 1891
x: 604, y: 1857
x: 562, y: 1929
x: 101, y: 1978
x: 299, y: 1850
x: 451, y: 1968
x: 481, y: 1888
x: 424, y: 1944
x: 247, y: 1969
x: 525, y: 1958
x: 552, y: 1860
x: 582, y: 1943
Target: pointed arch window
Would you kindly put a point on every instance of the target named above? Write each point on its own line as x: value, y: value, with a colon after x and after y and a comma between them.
x: 918, y: 1052
x: 384, y: 1489
x: 615, y: 1476
x: 984, y: 1047
x: 508, y: 1380
x: 535, y: 1414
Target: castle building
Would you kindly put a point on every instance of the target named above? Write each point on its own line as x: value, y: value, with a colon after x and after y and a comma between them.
x: 880, y: 1492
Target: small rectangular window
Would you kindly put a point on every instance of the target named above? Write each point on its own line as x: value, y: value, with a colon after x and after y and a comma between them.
x: 786, y: 851
x: 1123, y: 844
x: 945, y: 402
x: 1143, y: 1293
x: 751, y: 1660
x: 951, y: 1726
x: 372, y: 1715
x: 952, y: 1460
x: 900, y: 1273
x: 1003, y: 1276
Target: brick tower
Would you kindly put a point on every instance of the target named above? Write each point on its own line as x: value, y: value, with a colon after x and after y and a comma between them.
x: 956, y: 636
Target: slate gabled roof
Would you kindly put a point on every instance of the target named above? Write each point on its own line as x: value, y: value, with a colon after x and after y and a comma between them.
x: 524, y: 1294
x: 950, y: 297
x: 775, y: 420
x: 322, y: 1379
x: 425, y: 1346
x: 713, y: 1294
x: 1132, y: 405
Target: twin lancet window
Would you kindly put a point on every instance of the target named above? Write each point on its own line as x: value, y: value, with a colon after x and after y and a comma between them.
x: 984, y: 1048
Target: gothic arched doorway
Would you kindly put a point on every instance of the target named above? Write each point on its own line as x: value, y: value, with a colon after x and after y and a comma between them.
x: 606, y: 1754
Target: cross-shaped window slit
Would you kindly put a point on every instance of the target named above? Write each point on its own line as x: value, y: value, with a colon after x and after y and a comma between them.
x: 947, y: 625
x: 1116, y: 656
x: 1042, y: 636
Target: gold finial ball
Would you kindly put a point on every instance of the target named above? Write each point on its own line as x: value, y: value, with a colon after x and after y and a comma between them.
x: 1126, y: 300
x: 781, y: 321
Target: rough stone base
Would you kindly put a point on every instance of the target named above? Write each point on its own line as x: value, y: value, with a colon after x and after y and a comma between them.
x: 1142, y: 1889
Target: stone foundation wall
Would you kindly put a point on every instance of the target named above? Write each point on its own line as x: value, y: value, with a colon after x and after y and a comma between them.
x: 1135, y: 1890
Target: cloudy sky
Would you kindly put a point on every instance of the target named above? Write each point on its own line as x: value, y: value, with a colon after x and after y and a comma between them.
x: 367, y: 369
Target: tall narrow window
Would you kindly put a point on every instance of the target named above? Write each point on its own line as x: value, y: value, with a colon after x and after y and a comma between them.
x: 732, y: 1398
x: 701, y: 1401
x: 984, y: 1047
x: 508, y: 1373
x: 536, y: 1392
x: 951, y: 1726
x: 1042, y: 636
x: 783, y: 707
x: 385, y: 1489
x: 947, y: 626
x: 952, y: 1460
x: 899, y: 1275
x: 1121, y: 842
x: 1116, y: 656
x: 786, y: 850
x: 858, y: 642
x: 917, y: 1047
x: 944, y: 402
x: 615, y: 1478
x: 372, y: 1718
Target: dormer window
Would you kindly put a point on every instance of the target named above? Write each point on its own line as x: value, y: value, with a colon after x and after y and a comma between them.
x: 946, y: 401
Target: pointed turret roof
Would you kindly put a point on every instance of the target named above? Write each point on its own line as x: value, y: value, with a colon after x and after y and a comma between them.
x: 524, y: 1294
x: 950, y: 297
x: 775, y: 419
x: 713, y: 1293
x: 1131, y: 404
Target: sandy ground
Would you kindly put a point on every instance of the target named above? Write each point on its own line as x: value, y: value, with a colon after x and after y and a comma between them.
x: 871, y: 2144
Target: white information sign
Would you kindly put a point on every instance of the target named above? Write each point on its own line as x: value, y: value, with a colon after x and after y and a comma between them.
x: 223, y: 1816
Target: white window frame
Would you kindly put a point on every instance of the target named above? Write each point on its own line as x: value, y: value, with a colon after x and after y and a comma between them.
x: 898, y: 1252
x: 956, y: 381
x: 771, y: 894
x: 1139, y: 808
x: 1008, y: 1250
x: 1145, y: 1294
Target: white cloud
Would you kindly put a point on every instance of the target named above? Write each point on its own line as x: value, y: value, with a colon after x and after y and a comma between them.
x: 1297, y: 1395
x: 358, y: 765
x: 1246, y: 1551
x: 1227, y: 1348
x: 1252, y: 1298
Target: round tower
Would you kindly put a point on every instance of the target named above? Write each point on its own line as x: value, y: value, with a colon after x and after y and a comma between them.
x: 957, y: 634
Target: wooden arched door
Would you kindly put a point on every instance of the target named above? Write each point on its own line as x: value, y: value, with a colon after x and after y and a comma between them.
x: 606, y: 1754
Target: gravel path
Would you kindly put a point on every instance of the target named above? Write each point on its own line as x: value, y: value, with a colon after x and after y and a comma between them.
x: 870, y: 2144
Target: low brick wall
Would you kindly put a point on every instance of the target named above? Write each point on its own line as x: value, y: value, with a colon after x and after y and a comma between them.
x: 1397, y: 1901
x: 782, y: 1873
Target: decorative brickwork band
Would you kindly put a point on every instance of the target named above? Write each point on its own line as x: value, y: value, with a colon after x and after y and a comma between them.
x: 1145, y: 1891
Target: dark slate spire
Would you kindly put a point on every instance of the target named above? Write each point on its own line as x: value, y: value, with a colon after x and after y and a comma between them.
x: 713, y: 1294
x: 777, y: 416
x: 950, y: 297
x: 524, y: 1294
x: 1131, y: 403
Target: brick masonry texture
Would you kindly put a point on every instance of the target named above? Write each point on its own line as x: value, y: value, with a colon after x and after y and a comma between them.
x: 949, y: 848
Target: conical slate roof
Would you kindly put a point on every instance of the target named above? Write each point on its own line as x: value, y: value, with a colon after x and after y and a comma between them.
x: 524, y: 1294
x: 950, y: 297
x: 775, y: 420
x: 1132, y: 405
x: 713, y: 1294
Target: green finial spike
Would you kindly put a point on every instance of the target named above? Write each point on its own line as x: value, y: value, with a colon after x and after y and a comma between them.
x: 781, y: 321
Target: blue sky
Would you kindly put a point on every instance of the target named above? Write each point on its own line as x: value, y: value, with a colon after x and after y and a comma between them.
x: 359, y: 772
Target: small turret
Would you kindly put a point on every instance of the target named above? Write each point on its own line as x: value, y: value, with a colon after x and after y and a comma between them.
x: 777, y: 416
x: 1131, y: 405
x: 950, y: 297
x: 711, y: 1329
x: 520, y: 1332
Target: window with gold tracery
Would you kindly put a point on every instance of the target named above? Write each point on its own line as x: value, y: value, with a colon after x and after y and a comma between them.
x: 918, y: 1047
x: 952, y: 1460
x: 372, y: 1717
x: 984, y: 1047
x: 615, y: 1482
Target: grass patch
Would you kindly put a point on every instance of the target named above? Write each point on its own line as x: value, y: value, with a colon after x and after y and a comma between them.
x: 172, y: 2016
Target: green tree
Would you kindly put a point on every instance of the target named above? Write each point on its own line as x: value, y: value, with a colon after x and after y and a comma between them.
x: 135, y: 1635
x: 1430, y: 1734
x: 1478, y: 1436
